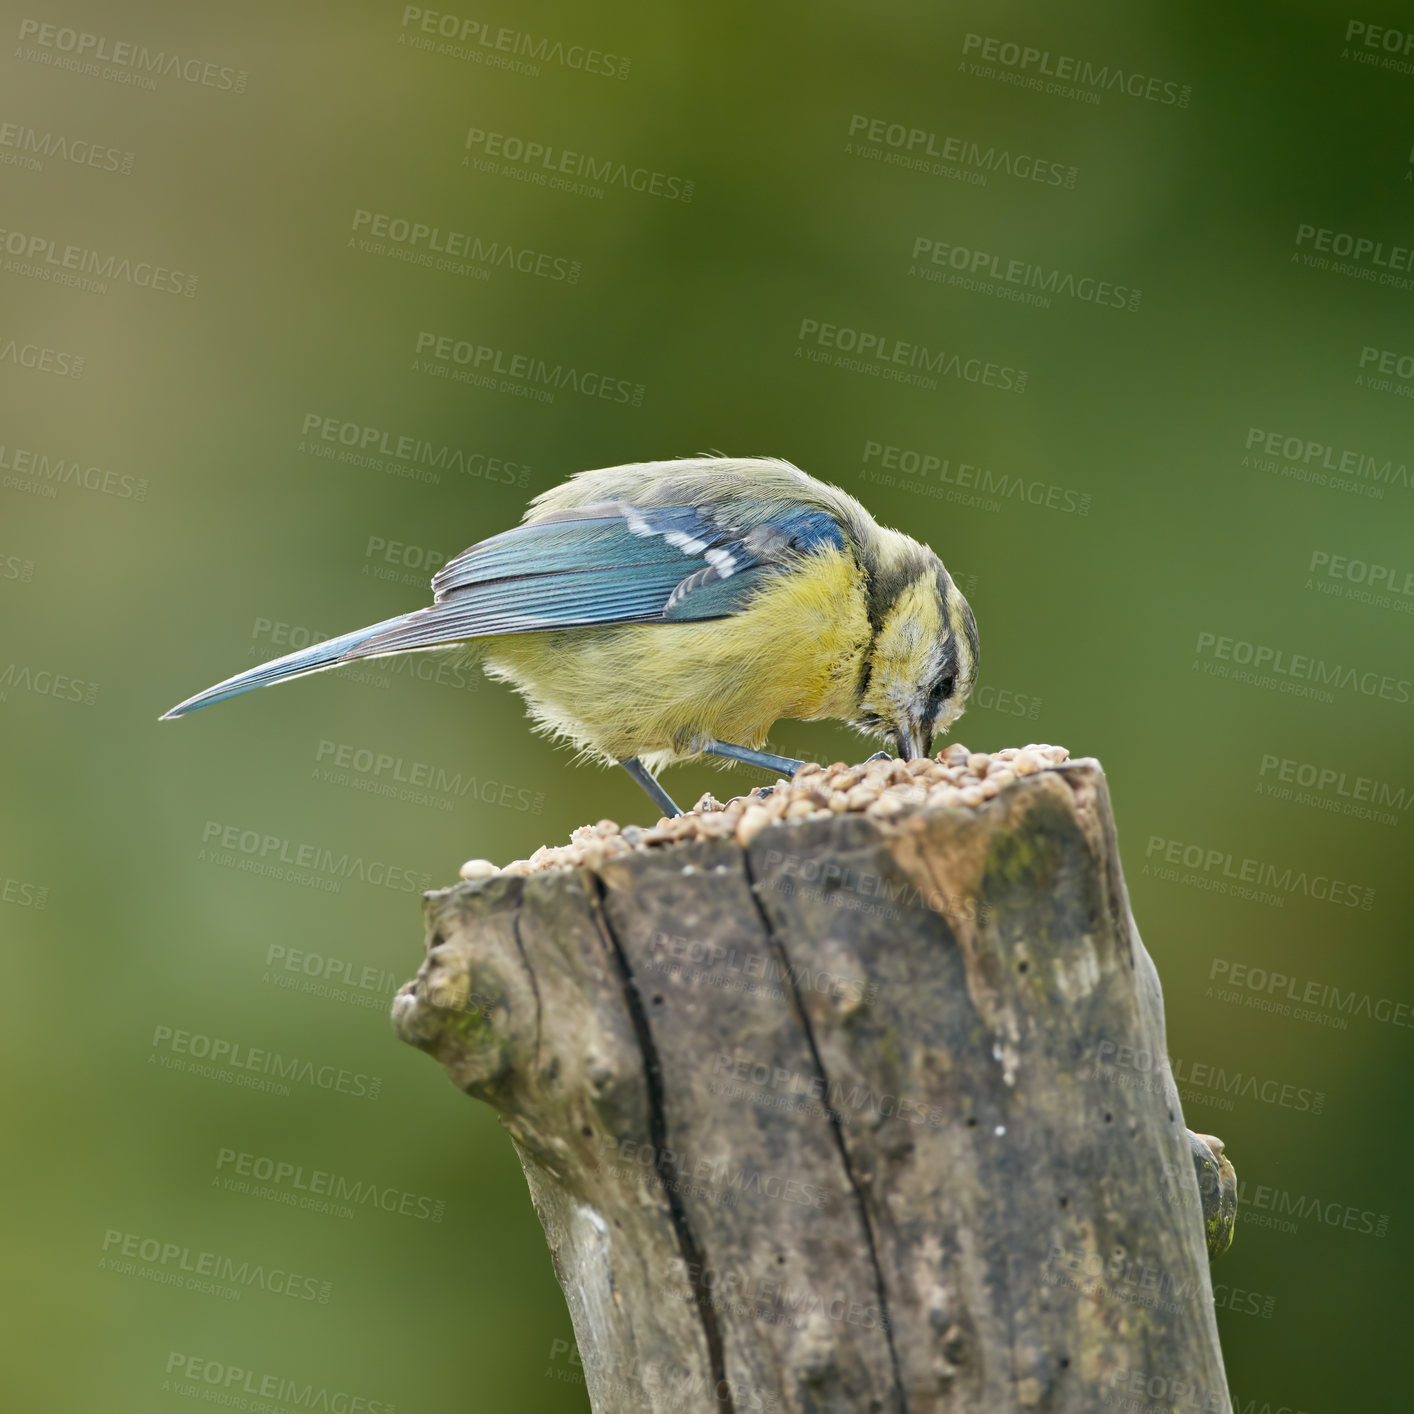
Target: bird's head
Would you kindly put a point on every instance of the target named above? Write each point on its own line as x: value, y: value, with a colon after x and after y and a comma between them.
x: 922, y: 660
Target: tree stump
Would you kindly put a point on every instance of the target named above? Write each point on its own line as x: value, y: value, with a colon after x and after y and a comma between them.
x: 871, y: 1113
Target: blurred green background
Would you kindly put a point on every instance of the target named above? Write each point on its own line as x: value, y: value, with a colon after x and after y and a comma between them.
x: 180, y: 510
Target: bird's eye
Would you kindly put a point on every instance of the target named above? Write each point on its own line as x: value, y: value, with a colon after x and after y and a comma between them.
x: 942, y: 689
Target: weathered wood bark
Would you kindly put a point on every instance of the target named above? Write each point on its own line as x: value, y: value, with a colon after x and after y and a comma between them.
x: 869, y: 1115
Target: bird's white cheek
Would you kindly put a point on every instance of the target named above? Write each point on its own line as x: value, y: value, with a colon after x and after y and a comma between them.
x: 947, y: 717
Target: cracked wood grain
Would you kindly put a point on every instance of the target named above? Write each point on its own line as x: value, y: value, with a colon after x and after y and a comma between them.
x: 833, y: 1123
x: 790, y: 976
x: 658, y: 1136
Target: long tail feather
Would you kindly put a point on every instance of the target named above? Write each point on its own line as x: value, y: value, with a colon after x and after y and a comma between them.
x: 317, y: 658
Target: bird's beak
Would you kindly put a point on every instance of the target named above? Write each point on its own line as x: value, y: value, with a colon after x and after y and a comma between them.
x: 914, y: 743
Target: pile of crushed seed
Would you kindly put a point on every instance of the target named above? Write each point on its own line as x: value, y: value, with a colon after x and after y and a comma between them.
x: 955, y: 776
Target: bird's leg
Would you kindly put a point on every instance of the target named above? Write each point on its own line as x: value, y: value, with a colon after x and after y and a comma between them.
x: 656, y: 793
x: 782, y: 765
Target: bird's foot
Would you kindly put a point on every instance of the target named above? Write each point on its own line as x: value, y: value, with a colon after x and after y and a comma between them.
x: 782, y: 765
x: 1217, y: 1187
x: 652, y: 789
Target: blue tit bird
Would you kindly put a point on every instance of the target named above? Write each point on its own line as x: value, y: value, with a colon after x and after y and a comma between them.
x: 662, y: 611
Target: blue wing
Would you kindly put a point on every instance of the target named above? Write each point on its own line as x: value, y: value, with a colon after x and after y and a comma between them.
x: 317, y: 658
x: 607, y: 564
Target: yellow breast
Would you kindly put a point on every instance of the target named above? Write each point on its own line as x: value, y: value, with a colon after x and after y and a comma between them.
x: 649, y: 690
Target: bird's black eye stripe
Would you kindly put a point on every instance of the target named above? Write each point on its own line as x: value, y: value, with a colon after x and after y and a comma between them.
x: 942, y: 689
